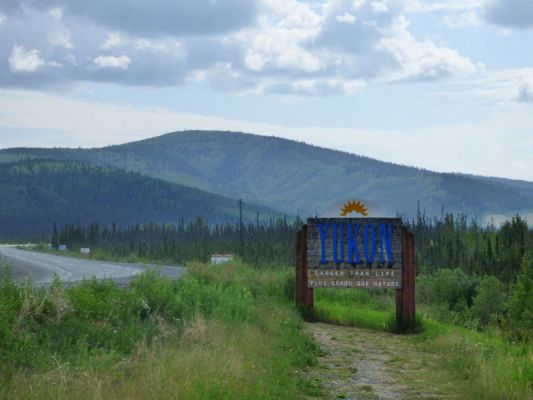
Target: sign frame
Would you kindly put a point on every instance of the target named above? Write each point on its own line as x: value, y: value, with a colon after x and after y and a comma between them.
x: 405, y: 295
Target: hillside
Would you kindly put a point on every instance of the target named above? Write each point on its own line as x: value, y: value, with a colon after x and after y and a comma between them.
x: 37, y: 193
x: 299, y: 178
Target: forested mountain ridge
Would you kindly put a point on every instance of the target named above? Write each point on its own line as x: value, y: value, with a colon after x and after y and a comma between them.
x: 299, y: 178
x: 35, y: 194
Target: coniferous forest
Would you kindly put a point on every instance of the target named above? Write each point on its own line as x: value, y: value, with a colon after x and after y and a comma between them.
x: 256, y: 243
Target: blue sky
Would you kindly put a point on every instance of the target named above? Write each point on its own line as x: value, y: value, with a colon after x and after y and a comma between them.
x: 444, y: 85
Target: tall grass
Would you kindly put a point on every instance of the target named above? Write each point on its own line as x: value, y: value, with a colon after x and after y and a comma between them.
x: 218, y: 333
x: 483, y: 365
x: 355, y: 307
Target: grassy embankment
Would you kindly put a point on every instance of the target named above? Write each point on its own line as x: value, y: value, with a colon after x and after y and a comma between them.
x: 217, y: 333
x: 483, y: 364
x: 224, y: 332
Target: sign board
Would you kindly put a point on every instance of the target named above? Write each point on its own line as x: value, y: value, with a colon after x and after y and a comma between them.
x: 221, y: 258
x: 62, y: 247
x: 85, y: 251
x: 354, y: 253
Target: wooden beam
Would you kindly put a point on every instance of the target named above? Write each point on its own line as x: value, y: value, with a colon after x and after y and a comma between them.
x: 304, y: 295
x: 405, y: 297
x: 298, y: 280
x: 309, y: 298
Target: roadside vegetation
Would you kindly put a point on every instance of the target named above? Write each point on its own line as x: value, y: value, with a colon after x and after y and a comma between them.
x: 233, y: 332
x: 218, y: 333
x: 484, y: 348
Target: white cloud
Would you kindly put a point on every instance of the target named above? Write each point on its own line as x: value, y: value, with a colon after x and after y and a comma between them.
x: 468, y: 19
x: 425, y: 6
x: 290, y: 45
x: 277, y: 43
x: 325, y: 86
x: 525, y: 93
x: 22, y: 60
x: 120, y: 62
x: 3, y: 18
x: 503, y: 86
x: 381, y: 47
x: 422, y: 60
x: 114, y: 39
x: 313, y: 87
x: 61, y: 38
x: 56, y: 13
x: 346, y: 18
x: 379, y: 7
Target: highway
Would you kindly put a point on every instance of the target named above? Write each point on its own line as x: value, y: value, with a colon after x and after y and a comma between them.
x: 42, y: 267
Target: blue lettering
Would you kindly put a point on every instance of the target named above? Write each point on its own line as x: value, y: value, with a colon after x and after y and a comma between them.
x: 385, y: 234
x: 336, y: 240
x: 323, y: 230
x: 369, y: 257
x: 352, y: 244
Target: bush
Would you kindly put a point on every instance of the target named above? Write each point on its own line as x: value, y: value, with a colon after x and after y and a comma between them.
x: 449, y: 287
x: 519, y: 324
x: 489, y: 300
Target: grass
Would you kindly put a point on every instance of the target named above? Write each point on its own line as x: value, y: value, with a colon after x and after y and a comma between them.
x: 353, y: 307
x: 483, y: 364
x: 218, y: 333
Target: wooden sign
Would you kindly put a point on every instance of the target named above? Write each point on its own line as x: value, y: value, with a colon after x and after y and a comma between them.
x: 357, y: 253
x: 354, y: 253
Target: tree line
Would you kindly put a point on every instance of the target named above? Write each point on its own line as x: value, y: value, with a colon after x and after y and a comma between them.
x: 256, y: 243
x: 446, y: 242
x: 455, y: 242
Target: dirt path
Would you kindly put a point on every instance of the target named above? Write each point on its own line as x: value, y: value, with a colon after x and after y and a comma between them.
x: 364, y: 364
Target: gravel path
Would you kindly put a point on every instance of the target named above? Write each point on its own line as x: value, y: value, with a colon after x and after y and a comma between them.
x: 365, y: 364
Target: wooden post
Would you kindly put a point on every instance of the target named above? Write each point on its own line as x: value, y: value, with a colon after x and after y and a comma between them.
x: 298, y: 281
x: 405, y: 297
x: 304, y: 295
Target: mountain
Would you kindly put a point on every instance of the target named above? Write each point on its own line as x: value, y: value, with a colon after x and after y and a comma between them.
x: 37, y: 193
x: 299, y: 178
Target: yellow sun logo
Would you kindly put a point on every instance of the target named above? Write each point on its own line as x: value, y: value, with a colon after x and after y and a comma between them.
x: 352, y: 206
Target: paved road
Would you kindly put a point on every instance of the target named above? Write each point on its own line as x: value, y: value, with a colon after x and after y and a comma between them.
x: 42, y: 267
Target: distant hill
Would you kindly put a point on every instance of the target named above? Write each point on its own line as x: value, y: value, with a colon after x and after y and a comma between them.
x: 36, y: 193
x: 299, y: 178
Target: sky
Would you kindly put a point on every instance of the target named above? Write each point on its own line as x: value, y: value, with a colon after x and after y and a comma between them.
x: 442, y: 85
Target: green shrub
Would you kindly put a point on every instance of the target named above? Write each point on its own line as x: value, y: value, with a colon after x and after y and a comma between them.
x: 519, y: 323
x: 489, y: 300
x: 449, y: 287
